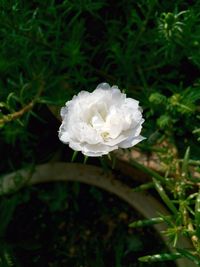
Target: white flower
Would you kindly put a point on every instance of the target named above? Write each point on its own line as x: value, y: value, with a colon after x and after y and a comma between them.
x: 99, y: 122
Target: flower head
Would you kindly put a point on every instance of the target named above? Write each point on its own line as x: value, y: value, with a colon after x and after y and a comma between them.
x: 99, y: 122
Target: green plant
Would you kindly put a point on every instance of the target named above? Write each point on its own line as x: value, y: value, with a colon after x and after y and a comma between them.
x: 51, y: 50
x: 181, y: 196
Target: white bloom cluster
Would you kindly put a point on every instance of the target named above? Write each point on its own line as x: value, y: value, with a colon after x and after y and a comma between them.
x: 99, y: 122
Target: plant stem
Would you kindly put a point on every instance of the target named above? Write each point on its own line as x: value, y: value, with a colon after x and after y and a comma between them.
x: 16, y: 115
x: 147, y: 170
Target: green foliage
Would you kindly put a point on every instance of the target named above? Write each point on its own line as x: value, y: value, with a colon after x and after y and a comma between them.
x: 6, y: 258
x: 51, y: 50
x: 182, y: 199
x: 170, y: 25
x: 160, y: 257
x: 197, y: 215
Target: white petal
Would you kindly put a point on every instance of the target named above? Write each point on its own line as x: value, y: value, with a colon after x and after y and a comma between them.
x: 137, y: 129
x: 116, y: 141
x: 85, y: 133
x: 132, y: 141
x: 99, y: 149
x: 75, y: 146
x: 81, y: 95
x: 64, y: 137
x: 63, y: 112
x: 93, y: 154
x: 104, y: 86
x: 99, y: 122
x: 131, y: 103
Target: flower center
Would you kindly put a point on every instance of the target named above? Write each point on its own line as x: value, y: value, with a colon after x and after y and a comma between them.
x: 105, y: 135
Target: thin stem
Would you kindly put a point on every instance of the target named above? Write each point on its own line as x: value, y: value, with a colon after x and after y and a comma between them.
x: 147, y: 170
x: 143, y: 27
x: 191, y: 162
x: 17, y: 114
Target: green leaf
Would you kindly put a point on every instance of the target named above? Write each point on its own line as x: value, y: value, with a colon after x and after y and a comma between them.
x: 74, y: 156
x: 161, y: 257
x: 189, y: 255
x: 85, y: 159
x: 147, y: 170
x: 197, y: 215
x: 164, y: 196
x: 143, y: 187
x: 185, y: 163
x: 148, y: 222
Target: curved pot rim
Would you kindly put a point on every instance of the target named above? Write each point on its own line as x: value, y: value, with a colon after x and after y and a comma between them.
x: 144, y: 203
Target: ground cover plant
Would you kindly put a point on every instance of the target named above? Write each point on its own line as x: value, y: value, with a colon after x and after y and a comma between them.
x: 52, y: 50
